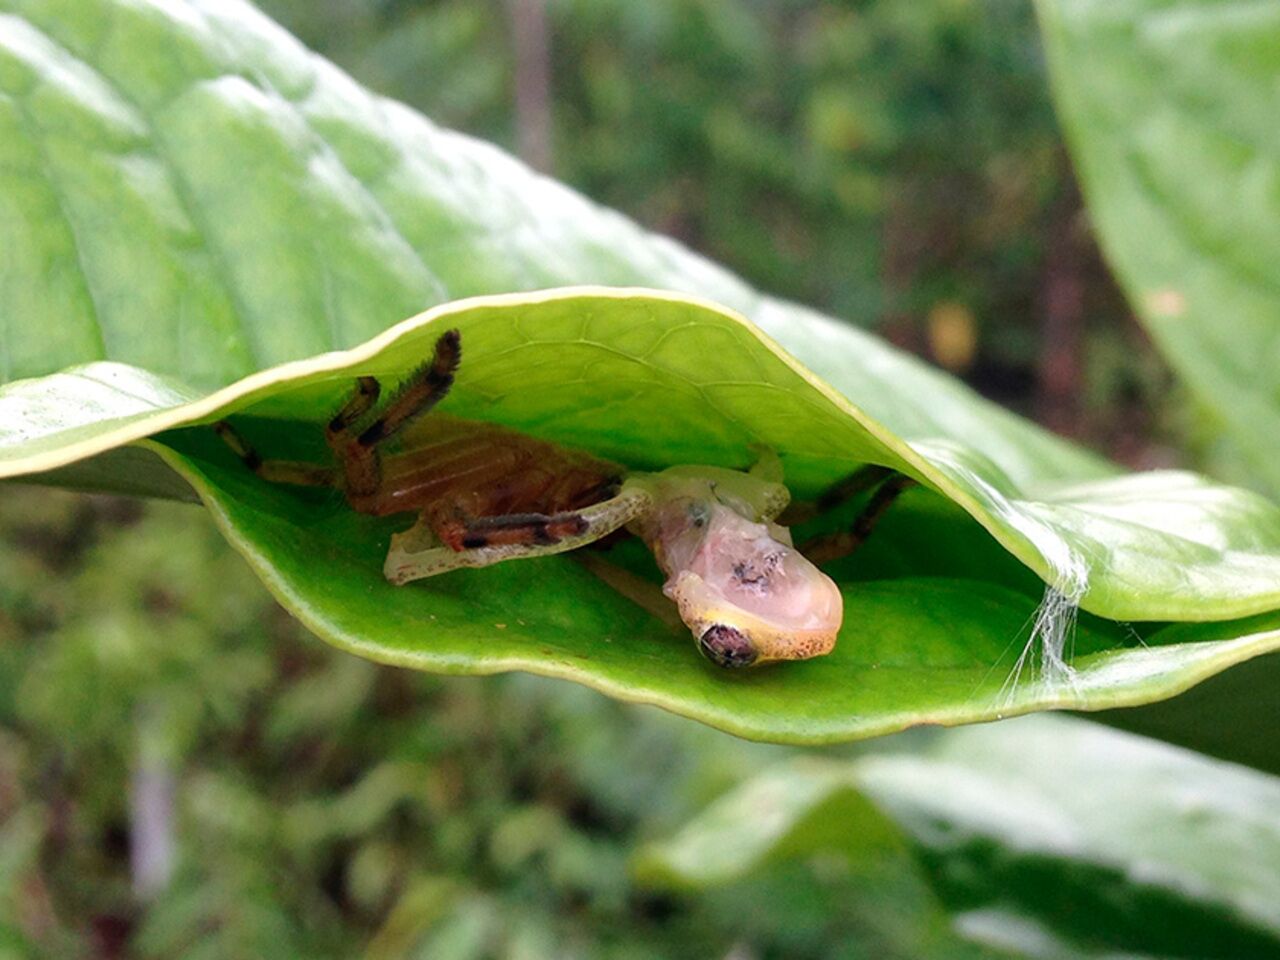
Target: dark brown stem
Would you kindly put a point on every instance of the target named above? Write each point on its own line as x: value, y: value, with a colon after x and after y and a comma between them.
x: 1060, y: 368
x: 532, y: 47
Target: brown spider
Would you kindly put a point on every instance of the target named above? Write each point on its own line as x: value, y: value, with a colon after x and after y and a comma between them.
x: 484, y: 493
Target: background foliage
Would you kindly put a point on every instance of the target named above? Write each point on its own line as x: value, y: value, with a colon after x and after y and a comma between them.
x: 896, y: 163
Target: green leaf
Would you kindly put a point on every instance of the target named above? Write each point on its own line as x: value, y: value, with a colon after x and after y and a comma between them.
x: 797, y: 810
x: 1231, y: 715
x: 611, y: 371
x: 1046, y: 836
x: 142, y: 245
x: 1170, y: 109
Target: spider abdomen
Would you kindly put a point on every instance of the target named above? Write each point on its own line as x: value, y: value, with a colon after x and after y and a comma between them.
x: 467, y: 470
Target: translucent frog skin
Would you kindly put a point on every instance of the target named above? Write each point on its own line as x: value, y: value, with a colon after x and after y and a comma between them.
x: 748, y: 596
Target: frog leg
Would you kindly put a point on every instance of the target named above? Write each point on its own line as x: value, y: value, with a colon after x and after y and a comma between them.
x: 768, y: 465
x: 428, y: 547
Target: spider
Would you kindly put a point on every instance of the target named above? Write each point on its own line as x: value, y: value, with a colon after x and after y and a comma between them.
x: 485, y: 493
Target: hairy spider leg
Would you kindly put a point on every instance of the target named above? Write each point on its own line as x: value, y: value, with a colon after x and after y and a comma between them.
x: 833, y: 546
x: 362, y: 400
x: 460, y: 530
x: 360, y: 464
x: 860, y: 481
x: 357, y: 452
x: 275, y: 471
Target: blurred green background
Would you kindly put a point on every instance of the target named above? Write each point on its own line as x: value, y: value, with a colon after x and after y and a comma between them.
x: 895, y: 164
x: 184, y: 772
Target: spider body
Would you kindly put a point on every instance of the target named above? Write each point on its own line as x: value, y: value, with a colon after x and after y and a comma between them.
x: 459, y: 472
x: 484, y: 493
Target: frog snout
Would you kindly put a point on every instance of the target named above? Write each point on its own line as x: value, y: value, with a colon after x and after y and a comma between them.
x: 727, y: 647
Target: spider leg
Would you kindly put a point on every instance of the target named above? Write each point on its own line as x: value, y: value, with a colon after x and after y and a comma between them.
x: 436, y: 544
x: 833, y: 546
x: 361, y: 469
x: 860, y: 481
x: 361, y: 401
x: 423, y: 389
x: 276, y: 471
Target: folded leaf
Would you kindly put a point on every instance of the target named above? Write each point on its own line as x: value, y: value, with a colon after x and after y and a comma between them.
x: 193, y: 198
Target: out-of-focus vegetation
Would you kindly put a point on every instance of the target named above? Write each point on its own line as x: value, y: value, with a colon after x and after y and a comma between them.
x: 897, y: 164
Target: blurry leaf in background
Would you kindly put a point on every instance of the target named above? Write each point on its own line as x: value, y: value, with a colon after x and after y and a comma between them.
x: 1046, y: 836
x: 115, y: 647
x: 1170, y: 108
x: 812, y: 811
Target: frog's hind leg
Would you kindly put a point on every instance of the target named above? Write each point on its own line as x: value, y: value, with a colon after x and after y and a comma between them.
x: 511, y: 530
x: 443, y: 543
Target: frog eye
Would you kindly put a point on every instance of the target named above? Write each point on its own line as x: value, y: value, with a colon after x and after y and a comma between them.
x: 726, y: 647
